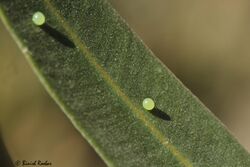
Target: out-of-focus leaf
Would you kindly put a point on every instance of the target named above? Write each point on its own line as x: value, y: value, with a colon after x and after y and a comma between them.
x: 5, y: 159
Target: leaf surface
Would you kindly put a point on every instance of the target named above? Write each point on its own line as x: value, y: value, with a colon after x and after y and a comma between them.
x: 99, y: 72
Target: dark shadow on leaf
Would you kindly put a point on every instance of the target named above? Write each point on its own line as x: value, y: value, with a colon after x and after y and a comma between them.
x: 58, y: 35
x: 160, y: 114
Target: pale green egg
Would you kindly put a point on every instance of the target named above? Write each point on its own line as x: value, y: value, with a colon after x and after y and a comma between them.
x: 38, y: 18
x: 148, y: 104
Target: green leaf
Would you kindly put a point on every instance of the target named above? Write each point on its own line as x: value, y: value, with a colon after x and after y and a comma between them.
x: 99, y: 73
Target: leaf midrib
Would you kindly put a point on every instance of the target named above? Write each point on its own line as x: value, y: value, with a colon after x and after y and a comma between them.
x: 117, y: 90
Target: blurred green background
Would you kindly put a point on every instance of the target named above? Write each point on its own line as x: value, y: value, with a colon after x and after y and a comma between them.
x: 205, y: 43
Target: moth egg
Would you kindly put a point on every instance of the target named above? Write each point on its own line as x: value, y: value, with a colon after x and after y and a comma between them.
x: 148, y: 104
x: 38, y: 18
